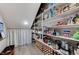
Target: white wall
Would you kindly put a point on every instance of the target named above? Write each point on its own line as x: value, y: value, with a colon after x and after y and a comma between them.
x: 19, y: 36
x: 3, y: 42
x: 29, y: 36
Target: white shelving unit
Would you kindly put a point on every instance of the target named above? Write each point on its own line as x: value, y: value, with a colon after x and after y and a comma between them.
x: 52, y: 21
x: 57, y: 17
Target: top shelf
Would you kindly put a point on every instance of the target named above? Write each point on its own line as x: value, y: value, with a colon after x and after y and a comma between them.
x: 66, y: 26
x: 51, y: 21
x: 57, y: 5
x: 63, y: 15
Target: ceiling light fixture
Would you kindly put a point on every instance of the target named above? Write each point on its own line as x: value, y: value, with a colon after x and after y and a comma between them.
x: 25, y: 23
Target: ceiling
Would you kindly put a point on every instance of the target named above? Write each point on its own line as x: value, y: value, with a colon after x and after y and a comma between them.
x: 15, y: 14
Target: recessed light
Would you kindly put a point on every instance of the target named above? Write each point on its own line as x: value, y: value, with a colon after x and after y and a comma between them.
x: 25, y: 23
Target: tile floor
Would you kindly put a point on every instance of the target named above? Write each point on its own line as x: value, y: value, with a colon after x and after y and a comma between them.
x: 27, y: 50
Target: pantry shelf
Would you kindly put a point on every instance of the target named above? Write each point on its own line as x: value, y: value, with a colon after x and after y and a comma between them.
x: 48, y: 46
x: 66, y: 26
x: 60, y: 37
x: 46, y: 10
x: 64, y: 14
x: 58, y: 24
x: 63, y: 38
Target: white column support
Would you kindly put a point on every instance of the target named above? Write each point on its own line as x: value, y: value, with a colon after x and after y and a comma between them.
x: 42, y: 26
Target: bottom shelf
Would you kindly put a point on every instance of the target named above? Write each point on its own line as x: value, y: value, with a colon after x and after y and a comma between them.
x: 46, y: 49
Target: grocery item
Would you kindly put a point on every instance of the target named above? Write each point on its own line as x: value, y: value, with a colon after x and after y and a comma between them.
x: 49, y: 42
x: 45, y: 39
x: 45, y: 29
x: 66, y: 33
x: 64, y: 45
x: 76, y: 35
x: 52, y: 12
x: 46, y: 15
x: 66, y: 8
x: 58, y: 11
x: 72, y: 5
x: 76, y: 19
x: 61, y: 22
x: 70, y: 21
x: 77, y: 4
x: 56, y: 33
x: 49, y: 32
x: 76, y: 52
